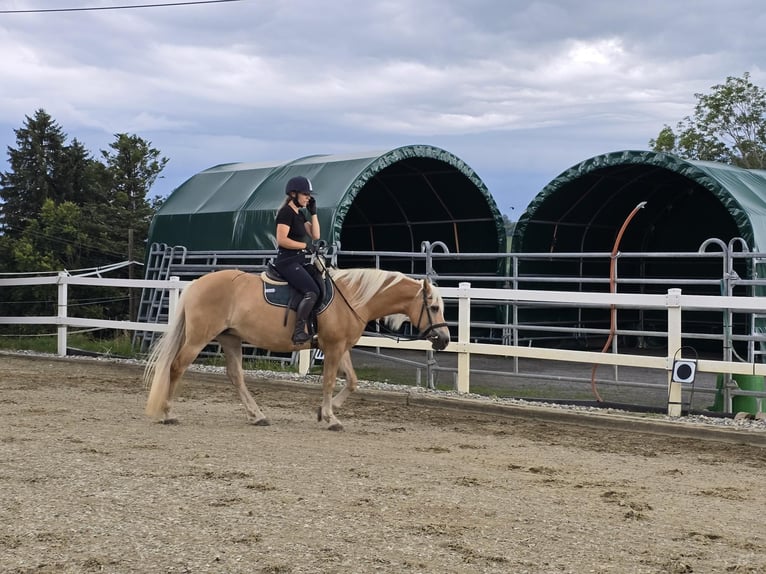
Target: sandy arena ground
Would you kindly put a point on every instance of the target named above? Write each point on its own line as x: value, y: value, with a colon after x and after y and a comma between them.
x: 88, y: 484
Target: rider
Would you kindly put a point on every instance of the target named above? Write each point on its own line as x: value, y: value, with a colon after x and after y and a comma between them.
x: 292, y: 231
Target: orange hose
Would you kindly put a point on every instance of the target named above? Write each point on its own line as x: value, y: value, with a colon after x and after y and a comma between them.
x: 612, y: 289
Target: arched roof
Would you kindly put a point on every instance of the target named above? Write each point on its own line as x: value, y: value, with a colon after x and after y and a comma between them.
x: 687, y: 202
x: 382, y: 201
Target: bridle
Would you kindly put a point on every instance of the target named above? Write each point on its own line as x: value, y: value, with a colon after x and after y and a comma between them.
x: 424, y: 309
x: 431, y: 325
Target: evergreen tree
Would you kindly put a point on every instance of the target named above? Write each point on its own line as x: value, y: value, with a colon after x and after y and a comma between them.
x: 43, y: 167
x: 132, y: 166
x: 62, y: 209
x: 33, y: 176
x: 77, y: 179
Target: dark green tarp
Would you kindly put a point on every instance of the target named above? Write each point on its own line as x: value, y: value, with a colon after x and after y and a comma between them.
x: 687, y: 202
x: 381, y: 201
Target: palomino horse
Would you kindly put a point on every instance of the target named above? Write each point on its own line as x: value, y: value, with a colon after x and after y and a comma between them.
x: 229, y: 307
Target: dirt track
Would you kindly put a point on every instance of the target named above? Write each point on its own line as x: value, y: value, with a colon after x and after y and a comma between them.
x: 87, y: 484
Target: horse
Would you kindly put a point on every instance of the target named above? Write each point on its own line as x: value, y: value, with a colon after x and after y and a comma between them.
x: 229, y: 307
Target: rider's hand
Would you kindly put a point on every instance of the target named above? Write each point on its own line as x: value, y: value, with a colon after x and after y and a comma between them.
x: 312, y: 206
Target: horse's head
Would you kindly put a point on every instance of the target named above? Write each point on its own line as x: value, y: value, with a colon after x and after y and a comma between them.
x: 427, y: 315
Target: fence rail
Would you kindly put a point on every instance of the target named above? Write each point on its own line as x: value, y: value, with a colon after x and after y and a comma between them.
x: 673, y: 304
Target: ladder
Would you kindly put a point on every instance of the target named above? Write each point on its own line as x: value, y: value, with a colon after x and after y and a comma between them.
x: 154, y: 305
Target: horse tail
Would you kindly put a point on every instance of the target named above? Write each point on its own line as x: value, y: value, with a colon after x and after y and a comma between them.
x: 158, y: 365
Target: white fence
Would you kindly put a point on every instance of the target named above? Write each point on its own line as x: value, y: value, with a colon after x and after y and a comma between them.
x: 674, y: 303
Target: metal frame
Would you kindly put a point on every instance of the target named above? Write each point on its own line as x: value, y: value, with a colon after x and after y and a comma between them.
x: 510, y: 329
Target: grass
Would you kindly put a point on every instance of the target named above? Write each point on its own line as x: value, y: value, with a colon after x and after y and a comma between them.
x: 120, y: 345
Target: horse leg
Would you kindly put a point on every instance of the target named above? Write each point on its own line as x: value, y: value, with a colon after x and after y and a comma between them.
x: 351, y: 380
x: 181, y: 362
x: 332, y: 360
x: 232, y: 350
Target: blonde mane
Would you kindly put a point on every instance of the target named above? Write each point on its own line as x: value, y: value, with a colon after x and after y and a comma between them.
x: 364, y: 284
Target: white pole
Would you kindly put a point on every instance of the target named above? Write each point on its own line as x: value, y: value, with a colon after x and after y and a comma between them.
x: 463, y: 337
x: 173, y: 295
x: 674, y: 345
x: 304, y: 361
x: 61, y: 314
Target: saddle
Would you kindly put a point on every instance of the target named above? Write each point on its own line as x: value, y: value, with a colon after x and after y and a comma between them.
x: 278, y: 292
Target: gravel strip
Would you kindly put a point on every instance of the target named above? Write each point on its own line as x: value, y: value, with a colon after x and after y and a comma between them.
x: 747, y: 424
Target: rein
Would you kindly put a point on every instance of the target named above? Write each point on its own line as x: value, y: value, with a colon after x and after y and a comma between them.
x: 422, y: 335
x: 324, y: 271
x: 424, y: 309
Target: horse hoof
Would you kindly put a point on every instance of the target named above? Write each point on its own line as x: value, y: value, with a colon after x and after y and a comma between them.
x: 261, y: 423
x: 172, y: 421
x: 335, y: 427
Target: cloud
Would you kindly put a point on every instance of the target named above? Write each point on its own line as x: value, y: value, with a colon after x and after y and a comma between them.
x: 514, y: 88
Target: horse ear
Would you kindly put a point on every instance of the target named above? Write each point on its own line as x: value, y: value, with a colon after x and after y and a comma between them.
x: 427, y: 286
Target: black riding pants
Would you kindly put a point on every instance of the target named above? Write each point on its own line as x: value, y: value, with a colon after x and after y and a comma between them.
x: 291, y: 267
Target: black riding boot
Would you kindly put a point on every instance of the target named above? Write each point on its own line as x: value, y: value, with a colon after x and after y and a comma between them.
x: 303, y: 311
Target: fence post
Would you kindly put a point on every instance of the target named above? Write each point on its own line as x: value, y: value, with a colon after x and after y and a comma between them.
x: 304, y: 361
x: 463, y: 337
x: 674, y: 344
x: 61, y: 313
x: 174, y: 292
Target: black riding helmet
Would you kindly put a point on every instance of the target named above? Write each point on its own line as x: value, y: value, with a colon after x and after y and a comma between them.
x: 300, y: 184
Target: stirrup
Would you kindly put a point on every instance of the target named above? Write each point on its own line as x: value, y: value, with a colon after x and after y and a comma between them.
x: 301, y: 337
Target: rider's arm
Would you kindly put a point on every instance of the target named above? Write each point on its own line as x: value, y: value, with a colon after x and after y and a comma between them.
x: 312, y: 227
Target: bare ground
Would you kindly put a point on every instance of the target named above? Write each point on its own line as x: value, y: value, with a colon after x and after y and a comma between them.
x: 87, y: 484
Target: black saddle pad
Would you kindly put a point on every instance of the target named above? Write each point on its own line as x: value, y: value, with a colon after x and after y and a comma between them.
x: 281, y: 294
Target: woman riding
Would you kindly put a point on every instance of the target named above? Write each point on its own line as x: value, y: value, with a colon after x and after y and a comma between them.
x: 292, y: 231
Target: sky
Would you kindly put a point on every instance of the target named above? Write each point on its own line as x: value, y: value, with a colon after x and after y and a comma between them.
x: 521, y: 90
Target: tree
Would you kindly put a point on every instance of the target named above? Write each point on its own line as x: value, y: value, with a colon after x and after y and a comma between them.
x: 50, y: 242
x: 77, y: 179
x: 132, y: 167
x: 111, y: 194
x: 63, y: 209
x: 53, y: 241
x: 40, y: 145
x: 728, y: 126
x: 43, y: 167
